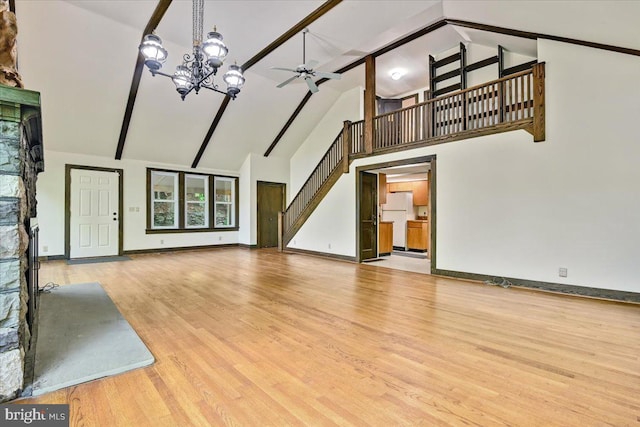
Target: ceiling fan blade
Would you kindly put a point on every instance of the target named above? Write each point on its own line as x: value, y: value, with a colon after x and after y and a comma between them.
x: 284, y: 69
x: 286, y: 82
x: 312, y: 85
x: 328, y: 75
x: 310, y: 64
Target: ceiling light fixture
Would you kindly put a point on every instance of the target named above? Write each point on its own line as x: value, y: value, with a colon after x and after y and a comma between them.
x: 197, y: 70
x: 397, y: 74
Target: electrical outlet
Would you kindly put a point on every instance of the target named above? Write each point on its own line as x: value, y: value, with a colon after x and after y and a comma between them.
x: 45, y: 249
x: 329, y: 245
x: 137, y: 209
x: 132, y: 209
x: 294, y: 242
x: 220, y: 238
x: 562, y: 272
x: 162, y: 241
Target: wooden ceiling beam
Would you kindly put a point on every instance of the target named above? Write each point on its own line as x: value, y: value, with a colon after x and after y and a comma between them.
x: 155, y: 19
x: 530, y: 35
x: 313, y: 16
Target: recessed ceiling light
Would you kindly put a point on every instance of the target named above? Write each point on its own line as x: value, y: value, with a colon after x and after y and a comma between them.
x: 397, y: 73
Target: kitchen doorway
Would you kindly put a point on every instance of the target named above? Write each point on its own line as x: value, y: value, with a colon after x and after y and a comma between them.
x: 405, y: 211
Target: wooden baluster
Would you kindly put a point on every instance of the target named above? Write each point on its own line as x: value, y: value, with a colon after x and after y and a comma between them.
x: 435, y: 118
x: 428, y: 109
x: 476, y: 108
x: 500, y: 102
x: 459, y: 119
x: 522, y: 97
x: 494, y: 104
x: 528, y: 84
x: 440, y: 117
x: 448, y: 116
x: 485, y: 104
x: 508, y: 109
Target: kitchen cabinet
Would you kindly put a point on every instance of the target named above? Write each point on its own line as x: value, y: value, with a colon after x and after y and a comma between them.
x: 420, y: 193
x: 385, y: 243
x: 382, y: 189
x: 394, y: 187
x: 418, y: 235
x: 420, y: 190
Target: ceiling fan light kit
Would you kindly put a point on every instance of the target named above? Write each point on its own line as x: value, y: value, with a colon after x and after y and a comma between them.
x: 197, y: 70
x: 306, y: 71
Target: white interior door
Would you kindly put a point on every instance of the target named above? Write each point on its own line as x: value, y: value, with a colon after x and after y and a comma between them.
x: 94, y: 213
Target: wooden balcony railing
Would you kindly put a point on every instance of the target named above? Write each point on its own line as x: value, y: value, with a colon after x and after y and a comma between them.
x: 506, y: 101
x: 509, y: 103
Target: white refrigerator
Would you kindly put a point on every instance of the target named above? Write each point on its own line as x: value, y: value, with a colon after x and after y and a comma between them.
x: 399, y: 208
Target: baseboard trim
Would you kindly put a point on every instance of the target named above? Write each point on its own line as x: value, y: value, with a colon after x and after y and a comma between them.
x: 51, y: 258
x: 180, y: 248
x: 320, y: 254
x: 571, y: 290
x: 244, y: 245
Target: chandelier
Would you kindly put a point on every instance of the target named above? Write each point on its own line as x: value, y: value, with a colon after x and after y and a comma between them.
x: 197, y: 70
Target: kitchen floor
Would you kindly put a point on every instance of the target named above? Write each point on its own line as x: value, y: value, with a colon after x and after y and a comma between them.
x: 405, y: 263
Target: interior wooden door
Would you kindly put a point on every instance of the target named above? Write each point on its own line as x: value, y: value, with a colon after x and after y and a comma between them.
x: 368, y: 216
x: 270, y: 201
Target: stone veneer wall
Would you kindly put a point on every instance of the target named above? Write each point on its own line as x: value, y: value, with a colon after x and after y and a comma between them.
x: 20, y: 162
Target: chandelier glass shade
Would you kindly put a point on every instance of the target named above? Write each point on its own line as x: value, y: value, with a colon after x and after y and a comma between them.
x: 199, y: 68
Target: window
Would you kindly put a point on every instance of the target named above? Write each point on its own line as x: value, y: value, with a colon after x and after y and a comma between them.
x: 165, y: 200
x: 225, y: 195
x: 196, y: 201
x: 184, y: 202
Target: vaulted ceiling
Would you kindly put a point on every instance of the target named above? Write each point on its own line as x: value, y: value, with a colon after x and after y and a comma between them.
x: 81, y: 54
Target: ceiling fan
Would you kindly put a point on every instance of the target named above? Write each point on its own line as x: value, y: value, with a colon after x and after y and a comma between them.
x: 306, y: 71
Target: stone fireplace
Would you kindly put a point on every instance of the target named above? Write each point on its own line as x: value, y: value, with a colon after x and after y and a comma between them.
x: 21, y: 159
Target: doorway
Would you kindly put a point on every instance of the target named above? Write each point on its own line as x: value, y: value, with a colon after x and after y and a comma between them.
x: 368, y: 216
x: 407, y: 195
x: 271, y: 199
x: 93, y: 206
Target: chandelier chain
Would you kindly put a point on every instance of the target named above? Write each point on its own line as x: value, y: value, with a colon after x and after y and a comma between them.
x: 198, y: 12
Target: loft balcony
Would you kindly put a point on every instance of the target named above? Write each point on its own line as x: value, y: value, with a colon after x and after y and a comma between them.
x: 509, y: 103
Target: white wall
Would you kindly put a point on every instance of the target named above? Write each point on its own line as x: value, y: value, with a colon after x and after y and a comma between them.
x: 270, y: 169
x: 306, y: 158
x: 50, y: 195
x: 510, y: 207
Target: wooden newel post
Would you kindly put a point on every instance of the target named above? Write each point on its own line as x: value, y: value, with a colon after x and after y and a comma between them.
x: 280, y: 231
x: 346, y: 145
x: 538, y: 103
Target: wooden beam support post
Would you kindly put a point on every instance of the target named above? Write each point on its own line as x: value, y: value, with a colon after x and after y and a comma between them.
x: 538, y: 103
x: 369, y: 102
x: 346, y: 145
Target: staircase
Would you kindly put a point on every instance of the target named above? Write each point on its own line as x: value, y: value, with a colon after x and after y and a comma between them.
x: 502, y: 105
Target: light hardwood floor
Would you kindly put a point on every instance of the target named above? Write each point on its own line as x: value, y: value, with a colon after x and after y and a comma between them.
x: 257, y: 338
